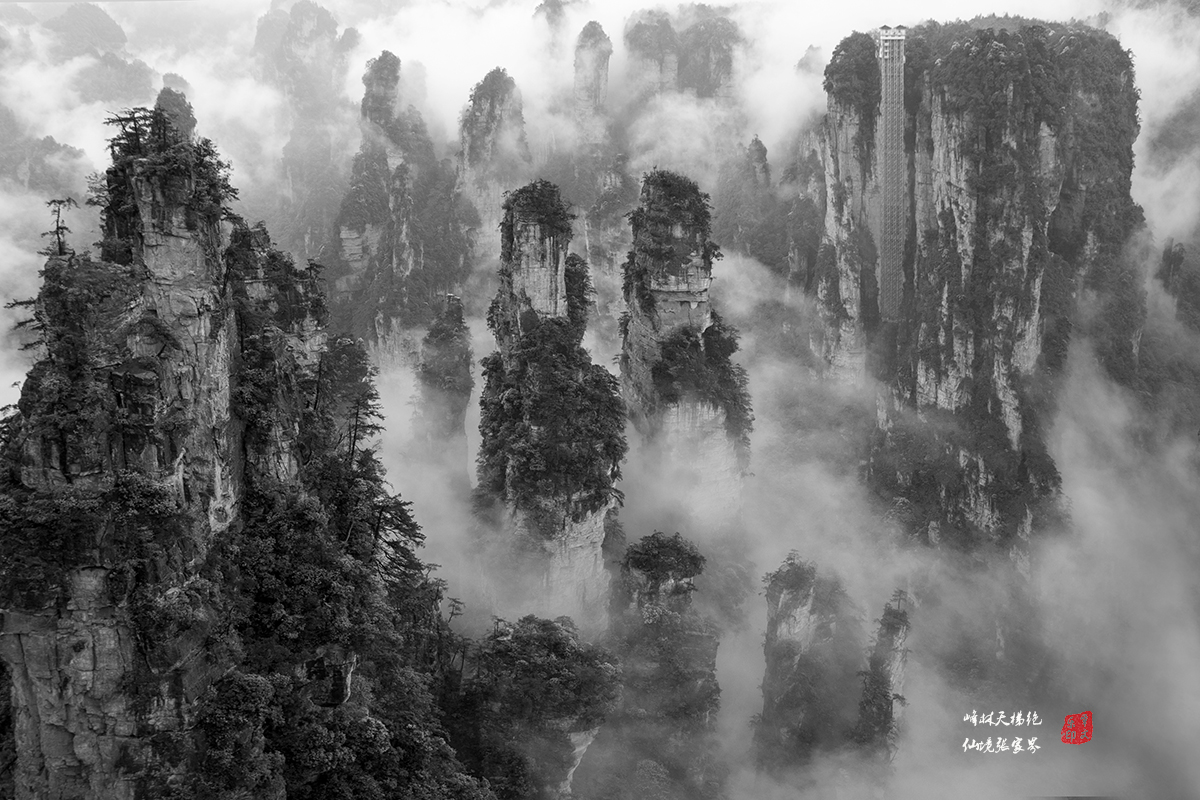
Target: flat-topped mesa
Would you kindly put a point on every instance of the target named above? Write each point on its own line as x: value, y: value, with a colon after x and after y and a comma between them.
x: 813, y: 648
x: 677, y: 376
x: 552, y: 423
x: 969, y: 180
x: 653, y: 49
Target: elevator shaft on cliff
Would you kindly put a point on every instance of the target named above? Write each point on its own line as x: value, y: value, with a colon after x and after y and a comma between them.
x: 893, y: 171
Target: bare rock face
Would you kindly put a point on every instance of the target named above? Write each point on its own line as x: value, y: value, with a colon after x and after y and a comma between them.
x: 683, y: 391
x: 1012, y: 206
x: 551, y: 423
x: 130, y: 445
x: 813, y: 648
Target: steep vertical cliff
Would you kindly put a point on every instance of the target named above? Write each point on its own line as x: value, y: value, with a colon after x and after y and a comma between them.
x: 1019, y: 156
x: 592, y: 51
x: 494, y: 157
x: 879, y: 709
x: 682, y: 388
x: 202, y: 578
x: 659, y: 742
x: 814, y: 646
x: 552, y: 423
x: 405, y: 232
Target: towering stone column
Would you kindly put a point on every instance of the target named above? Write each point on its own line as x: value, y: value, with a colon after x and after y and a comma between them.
x: 813, y: 648
x: 660, y: 741
x: 494, y: 156
x: 405, y: 231
x: 684, y: 392
x: 131, y: 457
x: 592, y: 51
x: 552, y: 423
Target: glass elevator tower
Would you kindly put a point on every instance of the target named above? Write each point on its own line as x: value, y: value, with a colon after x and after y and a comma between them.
x: 893, y: 171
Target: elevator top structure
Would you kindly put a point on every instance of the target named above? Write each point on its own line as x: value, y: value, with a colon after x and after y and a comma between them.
x: 892, y: 165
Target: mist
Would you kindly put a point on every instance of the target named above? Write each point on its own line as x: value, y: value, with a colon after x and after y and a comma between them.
x: 1118, y: 590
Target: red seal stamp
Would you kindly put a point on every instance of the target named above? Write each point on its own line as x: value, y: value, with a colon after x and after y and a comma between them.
x: 1077, y: 728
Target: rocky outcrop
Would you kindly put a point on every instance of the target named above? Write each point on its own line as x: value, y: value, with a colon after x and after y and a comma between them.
x: 660, y: 739
x: 813, y: 648
x: 551, y: 421
x: 1018, y: 150
x: 130, y: 452
x: 494, y: 156
x: 406, y: 234
x: 683, y: 391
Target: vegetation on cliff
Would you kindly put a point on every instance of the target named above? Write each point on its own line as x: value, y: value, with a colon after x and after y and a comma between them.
x: 415, y: 230
x: 659, y: 741
x: 852, y: 80
x: 551, y: 421
x: 530, y: 686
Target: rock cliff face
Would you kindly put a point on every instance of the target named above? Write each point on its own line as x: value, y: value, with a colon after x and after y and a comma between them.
x: 495, y: 156
x: 195, y: 545
x: 814, y: 645
x: 1018, y: 148
x: 660, y: 739
x: 683, y: 391
x: 551, y: 423
x: 592, y: 51
x: 130, y: 445
x: 406, y: 233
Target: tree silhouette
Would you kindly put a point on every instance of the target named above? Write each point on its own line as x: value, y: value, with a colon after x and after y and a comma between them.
x: 60, y: 228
